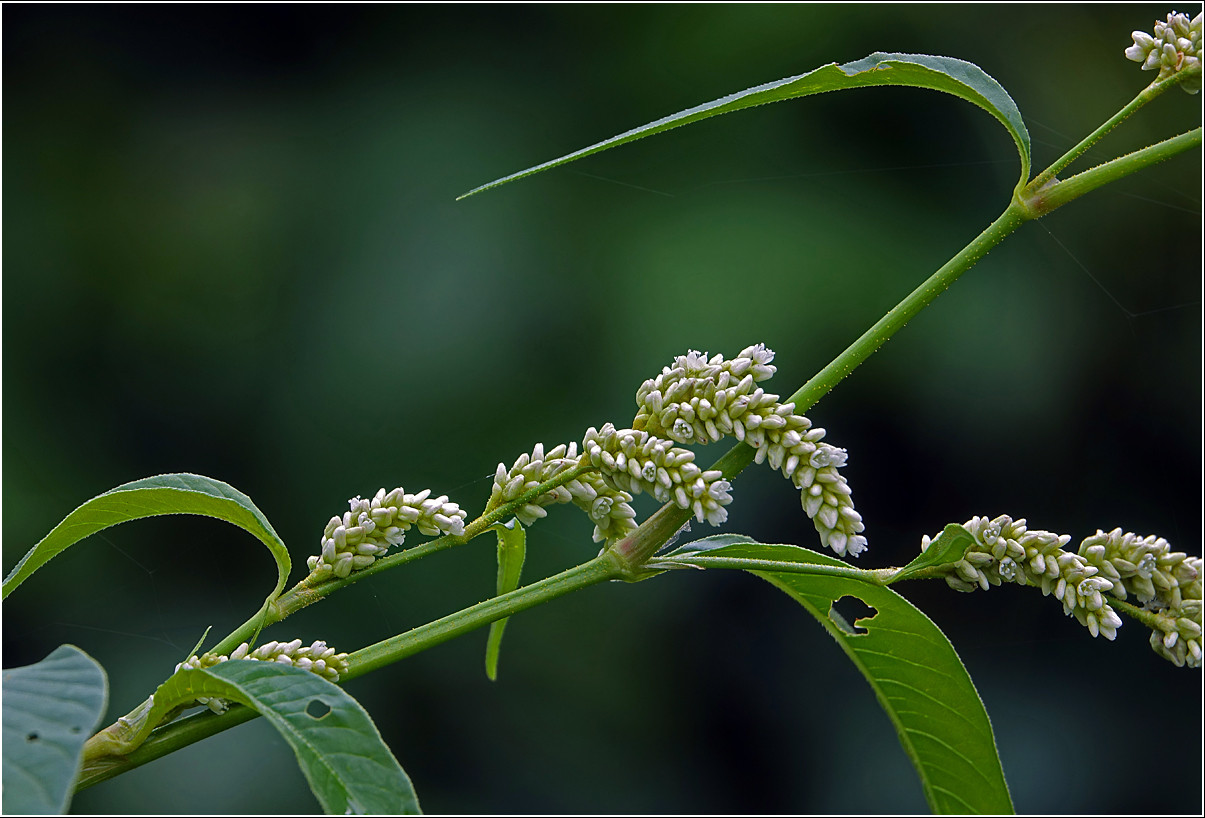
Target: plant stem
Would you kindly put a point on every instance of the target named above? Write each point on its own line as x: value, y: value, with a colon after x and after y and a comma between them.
x: 899, y: 315
x: 1146, y: 95
x: 304, y: 593
x: 1151, y: 619
x: 166, y: 739
x: 602, y: 567
x: 1060, y: 193
x: 180, y: 734
x: 873, y: 576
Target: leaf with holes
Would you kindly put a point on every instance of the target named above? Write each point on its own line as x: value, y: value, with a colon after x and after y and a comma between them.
x: 348, y: 766
x: 962, y: 79
x: 153, y: 497
x: 911, y: 666
x: 50, y: 709
x: 512, y: 551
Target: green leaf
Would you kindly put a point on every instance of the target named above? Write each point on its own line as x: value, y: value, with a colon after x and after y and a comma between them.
x: 512, y: 551
x: 962, y: 79
x: 949, y: 547
x: 912, y: 668
x: 50, y: 710
x: 347, y: 764
x: 153, y: 497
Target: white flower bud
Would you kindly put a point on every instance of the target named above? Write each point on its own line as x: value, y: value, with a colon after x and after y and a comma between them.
x: 343, y: 566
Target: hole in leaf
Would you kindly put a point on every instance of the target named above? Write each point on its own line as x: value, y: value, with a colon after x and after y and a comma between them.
x: 32, y: 737
x: 317, y: 709
x: 850, y: 609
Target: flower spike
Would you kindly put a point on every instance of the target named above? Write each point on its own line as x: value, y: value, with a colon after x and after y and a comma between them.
x: 365, y: 532
x: 1116, y: 565
x: 701, y: 400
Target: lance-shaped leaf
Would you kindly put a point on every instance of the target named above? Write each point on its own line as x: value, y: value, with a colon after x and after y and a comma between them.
x: 50, y: 709
x: 962, y: 79
x: 153, y: 497
x: 512, y: 551
x: 950, y: 545
x: 911, y: 666
x: 348, y: 766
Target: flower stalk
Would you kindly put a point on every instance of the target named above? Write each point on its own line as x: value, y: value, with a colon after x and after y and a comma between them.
x: 1058, y: 194
x: 1144, y: 96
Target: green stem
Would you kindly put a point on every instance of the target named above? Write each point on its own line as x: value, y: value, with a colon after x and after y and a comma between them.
x: 1146, y: 95
x: 180, y: 734
x: 899, y: 315
x: 1152, y: 619
x: 874, y: 576
x: 307, y: 593
x: 1060, y: 193
x: 940, y: 571
x: 602, y: 567
x: 167, y: 739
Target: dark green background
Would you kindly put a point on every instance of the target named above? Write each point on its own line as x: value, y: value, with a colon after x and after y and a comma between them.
x: 231, y: 248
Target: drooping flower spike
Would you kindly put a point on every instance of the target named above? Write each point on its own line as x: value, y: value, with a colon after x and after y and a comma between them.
x: 701, y: 400
x: 1116, y: 565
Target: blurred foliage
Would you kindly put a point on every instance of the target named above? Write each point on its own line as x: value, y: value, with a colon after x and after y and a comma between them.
x: 231, y: 248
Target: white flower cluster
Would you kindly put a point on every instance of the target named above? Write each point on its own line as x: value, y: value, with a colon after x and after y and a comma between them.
x: 1165, y: 581
x: 606, y: 505
x: 356, y: 539
x: 699, y: 400
x: 1175, y: 47
x: 635, y: 461
x: 1115, y: 564
x: 1006, y: 550
x: 316, y: 658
